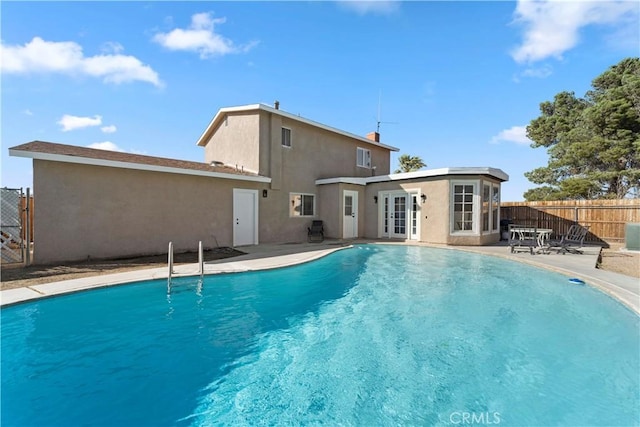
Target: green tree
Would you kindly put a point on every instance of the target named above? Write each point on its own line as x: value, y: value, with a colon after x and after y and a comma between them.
x: 409, y: 163
x: 593, y: 142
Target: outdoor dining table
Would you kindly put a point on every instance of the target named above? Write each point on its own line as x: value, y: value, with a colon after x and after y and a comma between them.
x: 539, y: 236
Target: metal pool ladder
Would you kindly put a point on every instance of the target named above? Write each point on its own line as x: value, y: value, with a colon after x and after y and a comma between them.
x: 172, y: 272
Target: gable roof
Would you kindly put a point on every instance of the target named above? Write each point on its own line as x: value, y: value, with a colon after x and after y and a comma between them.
x: 222, y: 113
x: 41, y: 150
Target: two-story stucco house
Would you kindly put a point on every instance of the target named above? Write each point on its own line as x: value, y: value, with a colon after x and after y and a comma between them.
x: 267, y: 174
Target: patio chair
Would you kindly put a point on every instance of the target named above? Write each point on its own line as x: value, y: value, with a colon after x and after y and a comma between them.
x: 572, y: 241
x: 522, y: 238
x: 315, y: 233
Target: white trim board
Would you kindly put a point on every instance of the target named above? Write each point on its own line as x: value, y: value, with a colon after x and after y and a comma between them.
x: 135, y: 166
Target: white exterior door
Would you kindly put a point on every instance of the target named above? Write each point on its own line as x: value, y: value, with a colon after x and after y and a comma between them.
x: 350, y: 215
x: 398, y: 217
x: 245, y: 217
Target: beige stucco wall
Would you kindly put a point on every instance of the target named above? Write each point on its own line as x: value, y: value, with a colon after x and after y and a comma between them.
x: 235, y: 142
x: 99, y: 212
x: 314, y: 154
x: 255, y: 137
x: 332, y: 211
x: 253, y: 140
x: 329, y: 202
x: 434, y: 214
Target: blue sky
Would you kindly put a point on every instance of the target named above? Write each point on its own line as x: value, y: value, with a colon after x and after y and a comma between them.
x: 453, y: 82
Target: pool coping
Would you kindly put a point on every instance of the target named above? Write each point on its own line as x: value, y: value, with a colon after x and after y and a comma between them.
x: 624, y: 289
x: 243, y: 263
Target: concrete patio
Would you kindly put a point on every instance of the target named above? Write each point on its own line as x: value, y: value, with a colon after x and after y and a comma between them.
x: 266, y: 256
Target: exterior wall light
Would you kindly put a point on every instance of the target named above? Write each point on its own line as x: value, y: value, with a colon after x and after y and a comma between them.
x: 264, y: 193
x: 375, y: 199
x: 423, y: 197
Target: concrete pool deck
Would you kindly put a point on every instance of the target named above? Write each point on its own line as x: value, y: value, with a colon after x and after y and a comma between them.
x: 623, y: 288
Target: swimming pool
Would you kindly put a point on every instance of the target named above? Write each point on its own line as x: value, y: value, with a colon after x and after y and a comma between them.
x: 374, y: 335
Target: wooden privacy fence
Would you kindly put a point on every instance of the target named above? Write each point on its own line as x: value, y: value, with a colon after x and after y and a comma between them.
x: 606, y: 219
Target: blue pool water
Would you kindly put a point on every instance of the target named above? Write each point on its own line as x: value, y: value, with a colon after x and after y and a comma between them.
x: 374, y: 335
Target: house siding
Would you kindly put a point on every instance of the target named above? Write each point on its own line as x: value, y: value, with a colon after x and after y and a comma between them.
x: 434, y: 214
x: 235, y: 143
x: 314, y: 154
x: 101, y: 212
x: 85, y: 210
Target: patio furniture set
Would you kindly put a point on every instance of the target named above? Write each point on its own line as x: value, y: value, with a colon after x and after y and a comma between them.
x: 538, y: 240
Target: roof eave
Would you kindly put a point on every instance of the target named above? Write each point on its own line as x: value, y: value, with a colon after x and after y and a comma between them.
x: 135, y: 166
x: 486, y: 171
x: 217, y: 119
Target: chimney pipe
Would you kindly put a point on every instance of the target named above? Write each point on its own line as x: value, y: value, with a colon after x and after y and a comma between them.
x: 276, y: 105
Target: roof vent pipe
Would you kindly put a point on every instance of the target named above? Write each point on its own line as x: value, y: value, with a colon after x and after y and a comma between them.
x: 276, y: 105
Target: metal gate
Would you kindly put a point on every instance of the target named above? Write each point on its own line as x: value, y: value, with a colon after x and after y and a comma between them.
x: 14, y: 228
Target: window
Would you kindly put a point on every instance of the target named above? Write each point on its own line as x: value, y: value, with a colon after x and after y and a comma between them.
x: 486, y: 206
x: 302, y: 204
x: 363, y: 158
x: 463, y: 211
x: 495, y: 206
x: 386, y: 215
x: 286, y: 137
x: 414, y: 216
x: 475, y: 206
x: 490, y: 206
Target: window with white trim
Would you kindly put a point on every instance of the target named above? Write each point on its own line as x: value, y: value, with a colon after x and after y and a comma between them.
x: 363, y: 158
x: 495, y: 206
x: 486, y: 205
x: 463, y: 207
x: 302, y: 204
x: 286, y: 137
x: 490, y: 206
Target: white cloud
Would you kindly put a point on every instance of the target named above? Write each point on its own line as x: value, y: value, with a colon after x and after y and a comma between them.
x: 534, y: 72
x: 112, y: 47
x: 106, y: 145
x: 363, y: 7
x: 109, y: 129
x: 515, y: 134
x: 552, y: 27
x: 41, y: 56
x: 539, y: 72
x: 28, y: 112
x: 201, y: 37
x: 69, y: 122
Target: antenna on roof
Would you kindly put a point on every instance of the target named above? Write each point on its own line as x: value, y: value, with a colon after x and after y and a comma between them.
x: 378, y: 121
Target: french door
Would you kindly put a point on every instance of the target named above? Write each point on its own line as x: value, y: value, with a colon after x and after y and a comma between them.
x: 399, y: 215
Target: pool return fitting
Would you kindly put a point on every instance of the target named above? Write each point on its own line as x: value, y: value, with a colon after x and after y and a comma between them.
x: 172, y: 272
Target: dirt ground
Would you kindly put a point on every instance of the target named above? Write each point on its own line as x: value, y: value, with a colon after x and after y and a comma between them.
x: 611, y: 259
x: 16, y: 277
x: 617, y: 260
